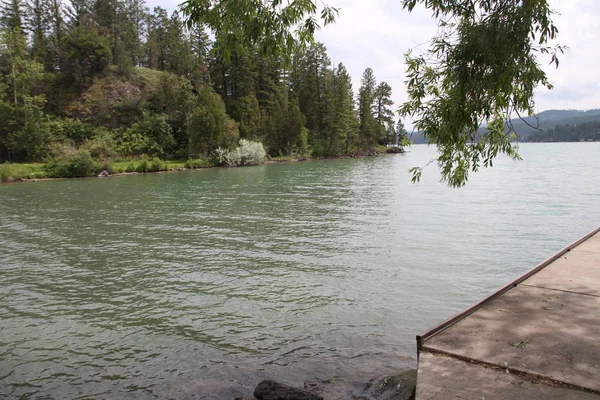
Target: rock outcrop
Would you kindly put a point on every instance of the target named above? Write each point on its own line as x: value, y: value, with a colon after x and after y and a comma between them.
x: 395, y: 150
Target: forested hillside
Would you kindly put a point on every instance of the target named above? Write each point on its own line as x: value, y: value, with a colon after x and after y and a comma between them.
x: 551, y: 119
x: 109, y: 79
x: 548, y: 126
x: 584, y: 132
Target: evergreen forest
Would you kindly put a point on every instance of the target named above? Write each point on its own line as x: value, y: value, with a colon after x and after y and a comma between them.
x: 89, y: 82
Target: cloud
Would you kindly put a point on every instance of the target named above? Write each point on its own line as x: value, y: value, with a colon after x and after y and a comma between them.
x: 376, y: 34
x: 577, y: 80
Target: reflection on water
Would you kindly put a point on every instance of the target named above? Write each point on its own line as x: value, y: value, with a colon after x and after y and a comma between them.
x: 201, y: 283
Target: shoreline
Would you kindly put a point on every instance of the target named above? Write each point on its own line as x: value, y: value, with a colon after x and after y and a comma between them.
x: 179, y: 169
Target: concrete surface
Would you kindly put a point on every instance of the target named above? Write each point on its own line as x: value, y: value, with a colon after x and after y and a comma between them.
x: 446, y: 378
x: 578, y: 271
x: 546, y: 329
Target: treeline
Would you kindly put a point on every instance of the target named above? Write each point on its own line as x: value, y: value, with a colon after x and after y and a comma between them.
x: 105, y: 79
x: 584, y: 132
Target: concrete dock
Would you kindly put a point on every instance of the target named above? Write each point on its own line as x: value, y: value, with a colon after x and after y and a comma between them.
x: 536, y: 338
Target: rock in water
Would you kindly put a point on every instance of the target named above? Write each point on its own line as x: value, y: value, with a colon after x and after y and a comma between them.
x: 271, y: 390
x: 395, y: 150
x: 103, y: 174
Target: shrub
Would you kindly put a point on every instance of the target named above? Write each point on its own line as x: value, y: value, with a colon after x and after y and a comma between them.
x: 224, y: 157
x: 152, y: 135
x: 132, y: 142
x: 130, y: 168
x: 153, y: 164
x: 318, y: 150
x: 156, y: 164
x: 248, y: 153
x: 76, y: 164
x: 5, y: 172
x: 75, y: 130
x: 142, y: 166
x: 193, y: 163
x: 102, y: 146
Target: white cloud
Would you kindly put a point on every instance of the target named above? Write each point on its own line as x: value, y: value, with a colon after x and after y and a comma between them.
x: 376, y: 34
x: 577, y: 80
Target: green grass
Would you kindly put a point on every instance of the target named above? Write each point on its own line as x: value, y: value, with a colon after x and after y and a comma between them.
x: 131, y: 165
x: 194, y: 163
x: 15, y: 172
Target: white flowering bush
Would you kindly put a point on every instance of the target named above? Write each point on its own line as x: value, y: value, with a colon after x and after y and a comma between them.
x: 247, y: 153
x: 223, y: 156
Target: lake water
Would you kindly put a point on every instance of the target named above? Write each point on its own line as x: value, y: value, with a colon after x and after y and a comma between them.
x: 198, y: 284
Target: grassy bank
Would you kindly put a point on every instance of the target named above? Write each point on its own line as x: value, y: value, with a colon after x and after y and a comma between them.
x: 17, y: 172
x: 30, y: 171
x: 138, y: 165
x: 86, y: 167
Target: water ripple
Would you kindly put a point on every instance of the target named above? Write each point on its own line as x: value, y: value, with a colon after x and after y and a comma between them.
x: 202, y: 283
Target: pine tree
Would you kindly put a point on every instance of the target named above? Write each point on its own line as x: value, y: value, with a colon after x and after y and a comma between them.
x: 38, y: 21
x: 383, y: 113
x: 200, y: 45
x: 368, y: 124
x: 56, y: 32
x: 177, y: 50
x: 210, y: 127
x: 86, y: 53
x: 158, y: 23
x: 342, y: 121
x: 133, y: 29
x: 12, y: 15
x: 400, y: 131
x: 21, y: 137
x: 310, y: 81
x: 105, y: 16
x: 79, y: 13
x: 240, y: 82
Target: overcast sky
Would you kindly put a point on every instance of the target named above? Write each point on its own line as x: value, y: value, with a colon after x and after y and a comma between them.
x: 376, y: 34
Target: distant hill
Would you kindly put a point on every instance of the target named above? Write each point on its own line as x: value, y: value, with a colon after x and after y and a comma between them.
x: 417, y: 137
x: 543, y: 121
x: 550, y: 119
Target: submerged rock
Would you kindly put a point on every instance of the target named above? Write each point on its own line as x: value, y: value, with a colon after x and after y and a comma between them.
x: 395, y: 387
x: 400, y: 386
x: 271, y: 390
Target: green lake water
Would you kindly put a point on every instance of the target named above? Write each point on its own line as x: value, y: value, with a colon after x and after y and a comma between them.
x: 199, y: 284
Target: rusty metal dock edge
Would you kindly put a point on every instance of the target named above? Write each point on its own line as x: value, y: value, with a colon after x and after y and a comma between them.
x: 453, y: 320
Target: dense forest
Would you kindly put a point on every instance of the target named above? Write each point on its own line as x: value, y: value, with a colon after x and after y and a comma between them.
x: 107, y: 79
